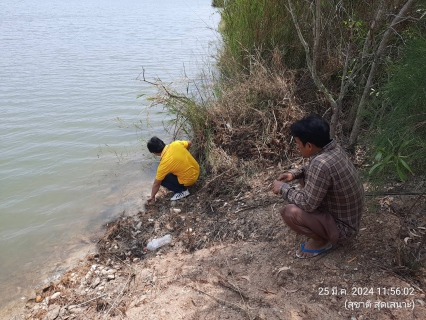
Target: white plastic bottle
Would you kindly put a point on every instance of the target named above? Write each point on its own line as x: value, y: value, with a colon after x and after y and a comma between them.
x: 157, y: 243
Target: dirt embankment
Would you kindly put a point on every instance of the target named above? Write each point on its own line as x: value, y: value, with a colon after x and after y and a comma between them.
x: 233, y: 258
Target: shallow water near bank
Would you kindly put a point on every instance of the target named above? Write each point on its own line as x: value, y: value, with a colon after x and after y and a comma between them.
x: 72, y: 129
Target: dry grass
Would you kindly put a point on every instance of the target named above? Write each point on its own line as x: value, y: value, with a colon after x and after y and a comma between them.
x: 249, y: 126
x: 237, y: 126
x: 251, y: 119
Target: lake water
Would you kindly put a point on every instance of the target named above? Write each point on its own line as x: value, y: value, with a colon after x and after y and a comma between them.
x: 72, y: 131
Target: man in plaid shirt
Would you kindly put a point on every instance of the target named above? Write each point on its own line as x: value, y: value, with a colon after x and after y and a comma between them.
x: 329, y: 206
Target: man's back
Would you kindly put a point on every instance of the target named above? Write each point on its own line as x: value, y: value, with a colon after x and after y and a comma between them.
x: 344, y: 196
x: 176, y: 159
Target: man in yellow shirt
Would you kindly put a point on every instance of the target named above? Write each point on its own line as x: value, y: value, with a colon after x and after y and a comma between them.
x: 177, y: 169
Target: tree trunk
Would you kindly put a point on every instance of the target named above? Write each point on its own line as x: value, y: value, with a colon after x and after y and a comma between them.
x: 317, y: 33
x: 312, y: 67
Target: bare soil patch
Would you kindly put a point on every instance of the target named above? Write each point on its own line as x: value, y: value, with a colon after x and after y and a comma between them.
x: 233, y: 258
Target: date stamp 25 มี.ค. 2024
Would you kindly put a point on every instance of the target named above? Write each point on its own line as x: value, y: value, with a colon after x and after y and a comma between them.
x: 381, y: 293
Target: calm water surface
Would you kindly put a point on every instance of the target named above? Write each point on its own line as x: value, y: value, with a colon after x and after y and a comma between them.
x: 71, y: 156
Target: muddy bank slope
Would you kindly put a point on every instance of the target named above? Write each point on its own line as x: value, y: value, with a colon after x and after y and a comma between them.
x: 232, y: 258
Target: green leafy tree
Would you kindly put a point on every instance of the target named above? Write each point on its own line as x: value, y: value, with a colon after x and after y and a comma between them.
x: 401, y: 129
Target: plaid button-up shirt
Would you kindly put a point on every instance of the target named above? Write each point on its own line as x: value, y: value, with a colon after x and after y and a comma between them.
x: 332, y: 185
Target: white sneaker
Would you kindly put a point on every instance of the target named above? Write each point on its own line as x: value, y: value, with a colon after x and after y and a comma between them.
x: 180, y: 195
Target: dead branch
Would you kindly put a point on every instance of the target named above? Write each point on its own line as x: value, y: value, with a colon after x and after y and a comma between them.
x: 218, y: 176
x: 86, y: 302
x: 379, y: 194
x: 131, y: 276
x: 228, y: 285
x: 417, y: 200
x: 227, y: 303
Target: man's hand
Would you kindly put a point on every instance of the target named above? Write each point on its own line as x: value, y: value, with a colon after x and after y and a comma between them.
x: 285, y: 177
x: 276, y: 186
x: 155, y: 187
x: 150, y: 199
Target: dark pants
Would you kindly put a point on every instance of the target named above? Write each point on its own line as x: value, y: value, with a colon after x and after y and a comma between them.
x: 171, y: 182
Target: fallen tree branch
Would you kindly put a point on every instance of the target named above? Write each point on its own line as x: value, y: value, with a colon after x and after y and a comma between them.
x: 378, y: 194
x: 229, y: 285
x: 227, y: 303
x: 264, y: 204
x: 131, y: 276
x: 86, y: 302
x: 417, y: 200
x: 219, y: 175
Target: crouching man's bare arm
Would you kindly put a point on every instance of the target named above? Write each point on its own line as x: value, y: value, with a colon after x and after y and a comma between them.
x: 155, y: 187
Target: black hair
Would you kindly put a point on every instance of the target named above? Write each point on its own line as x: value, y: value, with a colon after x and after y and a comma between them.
x: 313, y: 129
x: 156, y: 145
